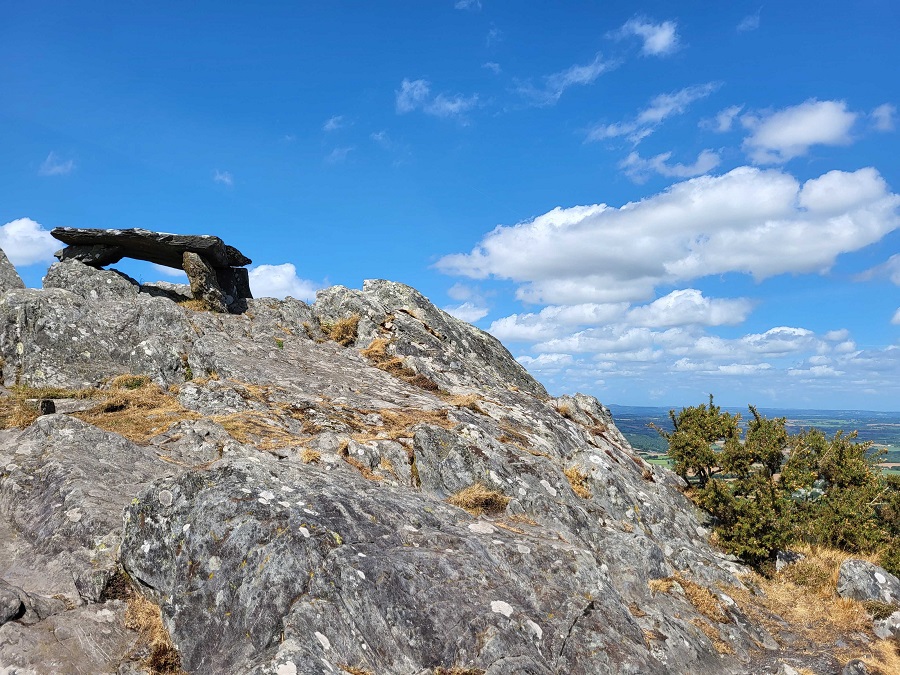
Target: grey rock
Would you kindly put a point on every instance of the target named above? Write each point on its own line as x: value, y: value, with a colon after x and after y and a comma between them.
x: 862, y: 580
x: 204, y: 284
x: 785, y: 558
x: 161, y: 248
x: 888, y: 627
x: 855, y: 667
x: 9, y: 277
x: 166, y: 289
x: 11, y: 605
x: 46, y: 406
x: 91, y: 283
x: 85, y: 641
x: 95, y: 255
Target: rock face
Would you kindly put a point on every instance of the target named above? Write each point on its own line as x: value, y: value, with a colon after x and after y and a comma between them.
x: 213, y: 268
x: 862, y: 580
x: 9, y: 278
x: 289, y: 511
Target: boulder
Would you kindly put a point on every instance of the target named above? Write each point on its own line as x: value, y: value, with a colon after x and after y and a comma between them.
x: 888, y: 627
x: 204, y: 284
x: 862, y: 580
x: 9, y: 277
x: 161, y: 248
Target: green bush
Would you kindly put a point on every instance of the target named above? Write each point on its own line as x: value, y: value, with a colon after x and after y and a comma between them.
x: 770, y: 489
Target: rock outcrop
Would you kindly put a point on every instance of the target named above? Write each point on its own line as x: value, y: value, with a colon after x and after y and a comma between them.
x: 214, y: 269
x: 363, y: 485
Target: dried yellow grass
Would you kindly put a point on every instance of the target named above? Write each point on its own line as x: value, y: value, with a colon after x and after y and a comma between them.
x: 310, y: 456
x: 478, y: 499
x: 257, y: 429
x: 143, y: 616
x: 579, y: 482
x: 136, y: 408
x: 17, y: 411
x: 714, y: 636
x: 703, y: 600
x: 343, y: 331
x: 194, y: 305
x: 367, y: 473
x: 661, y: 585
x: 378, y: 356
x: 469, y: 401
x: 354, y: 670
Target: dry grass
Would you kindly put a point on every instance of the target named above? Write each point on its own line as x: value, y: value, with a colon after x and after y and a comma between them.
x: 343, y: 331
x: 257, y: 429
x: 136, y: 408
x: 458, y: 670
x: 469, y: 401
x: 143, y: 616
x: 18, y: 412
x: 514, y: 436
x: 579, y: 482
x: 378, y: 355
x: 193, y: 304
x: 565, y: 410
x: 522, y: 518
x: 661, y: 585
x: 805, y: 595
x: 713, y: 634
x: 310, y: 456
x: 354, y: 670
x: 703, y: 600
x: 399, y: 422
x: 478, y: 499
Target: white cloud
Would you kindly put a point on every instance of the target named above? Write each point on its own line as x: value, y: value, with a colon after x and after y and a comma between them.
x: 280, y: 281
x: 223, y: 177
x: 170, y: 272
x: 749, y: 22
x: 56, y: 166
x: 837, y: 335
x: 339, y: 155
x: 554, y: 85
x: 554, y: 321
x: 890, y: 269
x: 746, y: 221
x: 648, y: 119
x: 546, y: 363
x: 660, y: 39
x: 334, y: 123
x: 689, y: 307
x: 26, y: 242
x: 416, y: 95
x: 780, y: 136
x: 724, y: 119
x: 492, y: 66
x: 896, y: 318
x: 467, y: 311
x: 883, y: 117
x: 638, y: 168
x: 473, y: 5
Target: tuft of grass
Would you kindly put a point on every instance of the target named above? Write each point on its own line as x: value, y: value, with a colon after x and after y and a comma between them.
x: 712, y: 633
x: 136, y: 408
x: 703, y: 600
x: 343, y: 331
x: 661, y: 585
x: 378, y: 355
x: 354, y: 670
x: 469, y: 401
x: 565, y: 410
x: 256, y: 429
x: 143, y: 616
x: 478, y: 499
x: 310, y: 456
x: 279, y: 343
x: 458, y: 670
x: 194, y: 305
x: 18, y: 411
x: 579, y: 482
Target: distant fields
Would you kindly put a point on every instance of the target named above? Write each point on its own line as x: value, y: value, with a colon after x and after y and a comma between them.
x: 881, y: 428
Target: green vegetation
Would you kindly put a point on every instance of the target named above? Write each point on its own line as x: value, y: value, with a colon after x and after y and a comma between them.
x: 770, y: 489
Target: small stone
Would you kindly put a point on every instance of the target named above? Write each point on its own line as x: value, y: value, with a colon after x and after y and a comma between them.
x: 47, y: 406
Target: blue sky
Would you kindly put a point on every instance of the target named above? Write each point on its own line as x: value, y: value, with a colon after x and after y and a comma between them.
x: 647, y: 202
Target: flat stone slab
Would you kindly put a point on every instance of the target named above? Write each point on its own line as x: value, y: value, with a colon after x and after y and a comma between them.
x: 99, y: 247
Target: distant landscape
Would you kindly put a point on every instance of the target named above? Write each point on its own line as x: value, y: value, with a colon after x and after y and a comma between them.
x: 881, y: 428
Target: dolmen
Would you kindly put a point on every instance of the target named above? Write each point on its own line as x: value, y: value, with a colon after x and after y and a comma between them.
x: 214, y: 269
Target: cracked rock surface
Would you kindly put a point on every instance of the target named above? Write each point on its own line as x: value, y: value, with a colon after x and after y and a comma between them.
x: 292, y: 515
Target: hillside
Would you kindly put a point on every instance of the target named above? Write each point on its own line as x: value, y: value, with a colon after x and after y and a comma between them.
x: 362, y: 485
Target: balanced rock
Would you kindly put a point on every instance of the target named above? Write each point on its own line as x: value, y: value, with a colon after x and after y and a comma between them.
x: 214, y: 268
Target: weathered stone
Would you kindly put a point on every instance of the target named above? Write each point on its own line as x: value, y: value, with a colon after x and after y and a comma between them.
x: 204, y: 285
x: 889, y: 627
x: 97, y: 255
x: 862, y: 580
x: 166, y: 289
x: 89, y: 282
x: 235, y: 284
x: 161, y: 248
x: 9, y: 277
x: 46, y: 406
x: 855, y: 667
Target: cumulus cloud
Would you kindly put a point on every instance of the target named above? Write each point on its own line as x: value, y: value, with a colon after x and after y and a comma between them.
x: 753, y: 221
x: 660, y: 39
x: 890, y: 269
x: 467, y: 311
x: 26, y: 242
x: 648, y: 119
x: 779, y: 136
x: 554, y: 85
x: 54, y: 165
x: 473, y: 5
x: 639, y: 169
x: 492, y: 66
x: 223, y: 177
x: 416, y: 95
x: 280, y: 281
x: 339, y: 155
x: 896, y: 318
x: 690, y: 307
x: 883, y: 117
